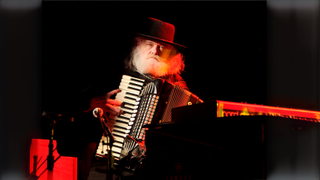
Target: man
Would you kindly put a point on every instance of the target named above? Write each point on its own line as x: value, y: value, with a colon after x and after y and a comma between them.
x: 153, y: 55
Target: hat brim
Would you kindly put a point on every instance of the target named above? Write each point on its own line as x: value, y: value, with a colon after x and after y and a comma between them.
x: 163, y: 40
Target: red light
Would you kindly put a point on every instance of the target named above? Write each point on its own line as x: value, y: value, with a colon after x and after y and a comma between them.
x: 225, y: 109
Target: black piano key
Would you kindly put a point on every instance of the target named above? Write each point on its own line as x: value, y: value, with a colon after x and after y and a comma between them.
x: 121, y: 121
x: 131, y: 109
x: 121, y: 137
x: 138, y: 80
x: 126, y: 103
x: 124, y: 117
x: 116, y: 153
x: 129, y: 87
x: 115, y: 145
x: 129, y: 93
x: 131, y: 98
x: 132, y: 83
x: 119, y: 131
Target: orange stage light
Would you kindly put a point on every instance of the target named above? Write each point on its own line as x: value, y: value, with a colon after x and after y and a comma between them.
x: 225, y: 109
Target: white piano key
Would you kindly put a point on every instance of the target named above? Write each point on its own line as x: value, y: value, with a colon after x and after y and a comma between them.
x: 132, y: 82
x: 129, y: 111
x: 128, y: 105
x: 118, y: 133
x: 119, y: 139
x: 116, y: 149
x: 132, y: 78
x: 119, y: 130
x: 121, y: 125
x: 128, y: 101
x: 118, y: 144
x: 128, y: 116
x: 122, y: 119
x: 127, y: 93
x: 126, y: 88
x: 126, y: 96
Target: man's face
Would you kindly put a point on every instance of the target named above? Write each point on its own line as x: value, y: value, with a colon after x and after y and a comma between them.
x: 153, y: 50
x: 156, y: 58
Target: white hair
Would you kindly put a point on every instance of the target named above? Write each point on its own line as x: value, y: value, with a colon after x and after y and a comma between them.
x: 173, y: 65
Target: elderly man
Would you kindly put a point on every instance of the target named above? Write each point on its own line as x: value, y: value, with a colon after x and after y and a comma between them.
x: 153, y: 55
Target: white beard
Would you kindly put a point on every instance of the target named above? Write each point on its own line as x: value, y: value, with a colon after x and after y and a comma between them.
x: 157, y: 68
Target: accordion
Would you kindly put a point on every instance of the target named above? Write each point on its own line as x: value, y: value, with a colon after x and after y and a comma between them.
x: 143, y: 103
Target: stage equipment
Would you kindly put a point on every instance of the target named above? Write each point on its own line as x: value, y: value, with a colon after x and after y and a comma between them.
x: 231, y: 140
x: 65, y: 168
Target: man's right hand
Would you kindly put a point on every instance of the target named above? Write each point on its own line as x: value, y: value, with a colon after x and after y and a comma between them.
x: 110, y: 107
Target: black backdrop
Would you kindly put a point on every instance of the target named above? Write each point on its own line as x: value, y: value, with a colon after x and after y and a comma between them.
x: 51, y: 51
x: 225, y: 56
x: 225, y: 60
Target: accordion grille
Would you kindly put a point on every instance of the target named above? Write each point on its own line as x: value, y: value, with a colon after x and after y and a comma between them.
x: 148, y: 102
x: 178, y: 97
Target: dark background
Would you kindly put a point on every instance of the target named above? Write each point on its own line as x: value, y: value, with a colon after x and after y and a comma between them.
x: 225, y: 57
x: 264, y: 52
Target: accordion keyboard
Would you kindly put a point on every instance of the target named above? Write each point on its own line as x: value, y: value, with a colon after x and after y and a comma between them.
x: 130, y: 90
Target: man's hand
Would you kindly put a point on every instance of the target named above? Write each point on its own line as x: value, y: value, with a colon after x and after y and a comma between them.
x: 110, y: 107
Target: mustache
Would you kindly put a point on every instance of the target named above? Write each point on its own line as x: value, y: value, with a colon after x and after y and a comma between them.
x: 158, y: 58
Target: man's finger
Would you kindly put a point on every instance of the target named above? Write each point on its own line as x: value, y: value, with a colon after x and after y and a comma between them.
x: 113, y: 110
x: 111, y: 93
x: 113, y: 117
x: 114, y: 102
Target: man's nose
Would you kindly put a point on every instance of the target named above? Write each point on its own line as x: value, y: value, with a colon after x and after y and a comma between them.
x: 155, y: 50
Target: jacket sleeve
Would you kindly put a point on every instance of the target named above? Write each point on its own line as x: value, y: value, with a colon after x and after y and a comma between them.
x: 178, y: 80
x: 73, y: 134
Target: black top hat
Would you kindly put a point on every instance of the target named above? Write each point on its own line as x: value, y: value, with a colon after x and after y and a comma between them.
x: 158, y: 30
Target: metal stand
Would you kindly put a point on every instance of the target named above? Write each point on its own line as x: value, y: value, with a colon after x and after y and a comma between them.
x: 33, y: 175
x: 110, y: 155
x: 50, y: 157
x: 99, y: 114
